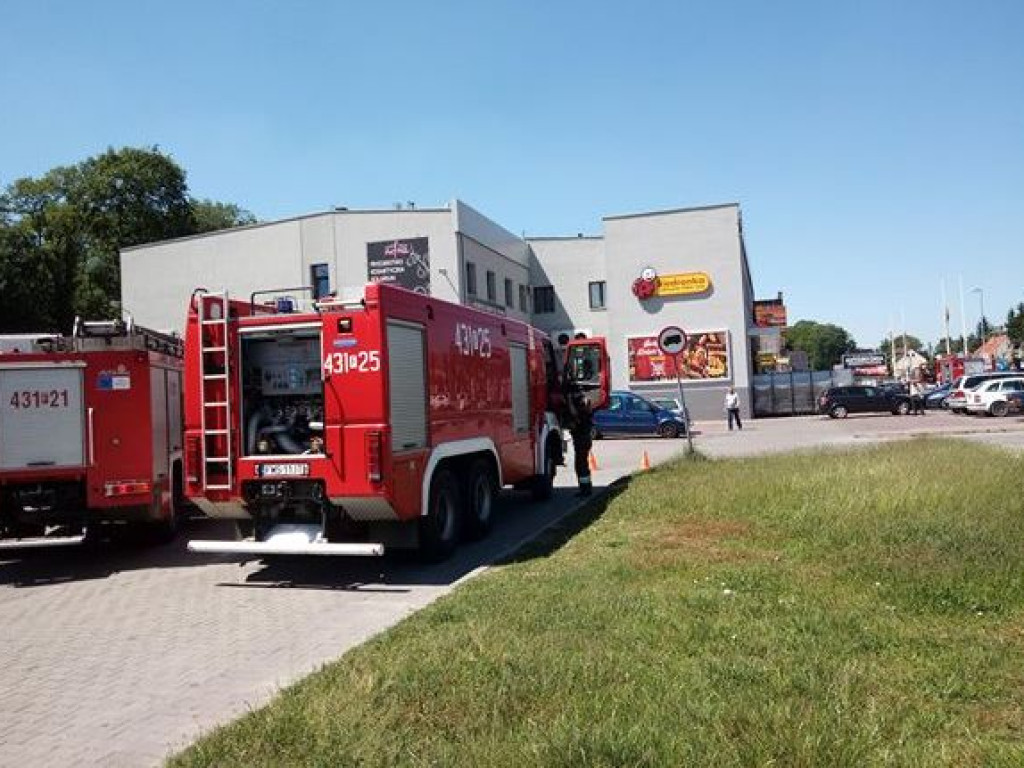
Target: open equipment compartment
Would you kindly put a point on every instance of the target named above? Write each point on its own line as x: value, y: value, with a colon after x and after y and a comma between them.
x: 282, y: 392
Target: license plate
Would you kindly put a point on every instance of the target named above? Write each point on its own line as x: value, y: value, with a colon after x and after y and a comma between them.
x: 283, y: 470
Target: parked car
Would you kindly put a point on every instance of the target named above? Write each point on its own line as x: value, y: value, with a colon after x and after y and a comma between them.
x: 938, y: 396
x: 957, y: 401
x: 896, y: 387
x: 671, y: 404
x: 839, y: 402
x: 630, y: 414
x: 990, y: 397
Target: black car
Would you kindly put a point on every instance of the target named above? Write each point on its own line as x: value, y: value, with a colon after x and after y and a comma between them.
x: 840, y: 402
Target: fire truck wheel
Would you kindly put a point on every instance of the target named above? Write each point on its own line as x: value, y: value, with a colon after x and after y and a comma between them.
x: 162, y: 531
x: 439, y: 528
x: 478, y: 498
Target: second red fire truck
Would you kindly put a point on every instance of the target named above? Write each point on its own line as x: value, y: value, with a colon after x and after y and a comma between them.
x: 392, y: 419
x: 90, y: 434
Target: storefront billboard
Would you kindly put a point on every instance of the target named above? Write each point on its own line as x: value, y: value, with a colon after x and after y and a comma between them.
x: 769, y: 314
x: 405, y: 263
x: 705, y: 358
x: 870, y: 359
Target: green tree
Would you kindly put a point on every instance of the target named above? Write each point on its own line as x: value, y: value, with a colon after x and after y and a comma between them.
x: 824, y: 343
x: 1015, y: 324
x: 211, y: 216
x: 60, y: 235
x: 125, y: 197
x: 40, y: 248
x: 955, y: 346
x: 913, y: 343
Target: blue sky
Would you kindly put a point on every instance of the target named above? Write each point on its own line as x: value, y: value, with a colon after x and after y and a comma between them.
x: 875, y: 147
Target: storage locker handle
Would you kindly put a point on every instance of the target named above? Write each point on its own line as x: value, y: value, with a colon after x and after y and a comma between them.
x: 92, y: 445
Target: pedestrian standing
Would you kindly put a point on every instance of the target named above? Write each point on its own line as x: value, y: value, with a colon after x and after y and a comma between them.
x: 916, y: 398
x: 582, y: 431
x: 732, y: 408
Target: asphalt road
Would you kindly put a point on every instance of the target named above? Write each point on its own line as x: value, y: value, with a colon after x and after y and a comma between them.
x: 116, y: 656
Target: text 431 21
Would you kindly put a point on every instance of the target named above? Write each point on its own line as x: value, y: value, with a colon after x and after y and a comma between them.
x: 34, y: 398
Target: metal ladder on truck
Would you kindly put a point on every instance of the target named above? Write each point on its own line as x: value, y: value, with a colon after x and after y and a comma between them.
x: 215, y: 392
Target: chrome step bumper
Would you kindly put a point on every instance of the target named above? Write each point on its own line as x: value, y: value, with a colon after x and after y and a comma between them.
x: 38, y: 542
x: 289, y: 539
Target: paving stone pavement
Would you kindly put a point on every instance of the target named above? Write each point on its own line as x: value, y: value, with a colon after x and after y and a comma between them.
x: 116, y: 667
x: 118, y: 656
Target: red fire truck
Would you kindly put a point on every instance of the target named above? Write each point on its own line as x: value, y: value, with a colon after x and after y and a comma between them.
x: 90, y: 433
x: 390, y: 419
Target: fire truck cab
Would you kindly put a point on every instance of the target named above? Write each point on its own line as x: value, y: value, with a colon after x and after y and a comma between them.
x: 90, y: 433
x: 392, y: 418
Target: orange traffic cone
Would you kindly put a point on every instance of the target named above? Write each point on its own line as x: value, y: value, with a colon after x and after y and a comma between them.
x: 592, y: 462
x: 645, y: 461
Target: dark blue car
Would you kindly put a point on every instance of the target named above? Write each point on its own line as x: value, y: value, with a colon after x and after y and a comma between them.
x: 938, y: 396
x: 629, y: 414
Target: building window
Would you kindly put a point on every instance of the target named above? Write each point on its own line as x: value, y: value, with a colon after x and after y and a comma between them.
x: 597, y: 295
x: 470, y: 278
x: 492, y: 287
x: 522, y: 299
x: 544, y: 300
x: 510, y: 298
x: 320, y: 277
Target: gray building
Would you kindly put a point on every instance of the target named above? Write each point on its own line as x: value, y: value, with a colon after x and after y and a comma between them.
x: 685, y: 267
x: 697, y: 262
x: 425, y: 249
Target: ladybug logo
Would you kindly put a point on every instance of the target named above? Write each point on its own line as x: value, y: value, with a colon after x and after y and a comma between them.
x: 645, y: 286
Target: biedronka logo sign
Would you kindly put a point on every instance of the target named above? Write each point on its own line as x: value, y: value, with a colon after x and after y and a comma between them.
x: 650, y: 284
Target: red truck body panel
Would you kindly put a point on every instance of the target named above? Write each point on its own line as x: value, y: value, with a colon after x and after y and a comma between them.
x: 467, y: 406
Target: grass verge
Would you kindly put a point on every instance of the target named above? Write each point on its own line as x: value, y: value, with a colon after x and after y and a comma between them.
x: 839, y: 609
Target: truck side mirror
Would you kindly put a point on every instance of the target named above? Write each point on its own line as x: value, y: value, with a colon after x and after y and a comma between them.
x: 588, y: 370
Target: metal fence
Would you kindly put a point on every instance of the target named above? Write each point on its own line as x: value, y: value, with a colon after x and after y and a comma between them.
x: 793, y: 393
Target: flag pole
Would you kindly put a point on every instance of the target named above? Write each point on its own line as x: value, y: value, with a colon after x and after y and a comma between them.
x: 892, y: 346
x: 945, y: 315
x: 903, y: 322
x: 963, y: 320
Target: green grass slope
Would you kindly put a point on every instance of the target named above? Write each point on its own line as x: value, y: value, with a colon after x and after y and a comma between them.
x: 816, y: 609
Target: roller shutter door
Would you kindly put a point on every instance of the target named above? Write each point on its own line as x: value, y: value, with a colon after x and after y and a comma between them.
x: 407, y: 385
x: 42, y: 417
x: 520, y: 388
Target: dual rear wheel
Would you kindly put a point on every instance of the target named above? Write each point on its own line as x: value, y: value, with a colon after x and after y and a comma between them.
x: 455, y: 508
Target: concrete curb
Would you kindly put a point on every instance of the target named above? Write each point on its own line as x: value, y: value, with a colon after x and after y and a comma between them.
x: 573, y: 509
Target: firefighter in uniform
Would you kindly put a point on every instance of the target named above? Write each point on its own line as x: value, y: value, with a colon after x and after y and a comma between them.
x: 582, y: 429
